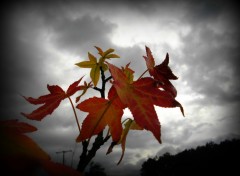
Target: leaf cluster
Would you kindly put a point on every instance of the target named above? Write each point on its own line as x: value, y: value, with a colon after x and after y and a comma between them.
x: 138, y: 95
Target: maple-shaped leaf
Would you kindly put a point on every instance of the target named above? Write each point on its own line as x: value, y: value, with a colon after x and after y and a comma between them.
x: 14, y: 142
x: 51, y: 101
x: 102, y: 112
x: 162, y: 72
x: 128, y: 125
x: 20, y: 155
x: 140, y: 97
x: 97, y: 65
x: 150, y: 88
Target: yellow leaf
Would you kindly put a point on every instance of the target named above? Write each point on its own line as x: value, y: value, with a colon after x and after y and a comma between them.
x: 107, y: 52
x: 96, y: 65
x: 86, y: 64
x: 112, y: 56
x: 104, y: 67
x: 129, y: 125
x: 92, y: 58
x: 95, y: 74
x: 102, y: 64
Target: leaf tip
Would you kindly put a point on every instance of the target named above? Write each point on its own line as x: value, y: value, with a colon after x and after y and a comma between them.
x: 24, y: 114
x: 182, y: 110
x: 160, y: 141
x: 79, y: 139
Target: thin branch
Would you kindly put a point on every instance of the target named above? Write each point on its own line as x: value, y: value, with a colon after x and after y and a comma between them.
x: 98, y: 89
x: 106, y: 80
x: 87, y: 155
x: 103, y: 82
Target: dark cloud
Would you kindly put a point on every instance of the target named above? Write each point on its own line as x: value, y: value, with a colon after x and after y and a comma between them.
x: 18, y: 68
x: 86, y: 31
x: 212, y: 56
x: 78, y: 35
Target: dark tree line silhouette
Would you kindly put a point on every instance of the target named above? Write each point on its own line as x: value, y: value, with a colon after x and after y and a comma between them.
x: 211, y: 159
x: 95, y: 169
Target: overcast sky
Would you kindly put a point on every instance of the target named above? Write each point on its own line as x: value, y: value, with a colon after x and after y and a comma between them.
x: 41, y: 42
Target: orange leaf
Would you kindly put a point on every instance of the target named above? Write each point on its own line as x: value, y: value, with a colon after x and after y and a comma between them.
x: 102, y: 112
x: 50, y: 101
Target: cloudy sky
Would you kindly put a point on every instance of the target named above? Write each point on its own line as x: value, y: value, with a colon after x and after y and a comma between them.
x: 41, y: 42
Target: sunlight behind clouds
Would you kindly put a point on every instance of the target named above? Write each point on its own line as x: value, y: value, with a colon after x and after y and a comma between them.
x: 148, y: 31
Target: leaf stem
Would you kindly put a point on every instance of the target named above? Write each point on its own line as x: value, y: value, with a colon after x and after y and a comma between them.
x: 142, y: 74
x: 125, y: 120
x: 75, y: 114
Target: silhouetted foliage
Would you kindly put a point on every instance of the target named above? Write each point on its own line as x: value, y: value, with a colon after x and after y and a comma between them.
x: 95, y: 169
x: 211, y: 159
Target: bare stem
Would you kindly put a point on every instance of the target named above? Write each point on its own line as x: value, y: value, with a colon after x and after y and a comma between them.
x: 142, y: 74
x: 75, y: 114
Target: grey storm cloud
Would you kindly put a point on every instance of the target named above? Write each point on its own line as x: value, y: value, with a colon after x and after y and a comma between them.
x: 86, y: 30
x: 36, y: 36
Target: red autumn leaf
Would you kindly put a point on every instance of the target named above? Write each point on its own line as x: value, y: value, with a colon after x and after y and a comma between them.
x: 112, y: 95
x: 20, y: 155
x: 14, y: 126
x: 102, y: 112
x: 51, y: 101
x: 73, y: 88
x: 149, y: 87
x: 162, y: 72
x: 140, y: 97
x: 15, y: 143
x: 149, y: 61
